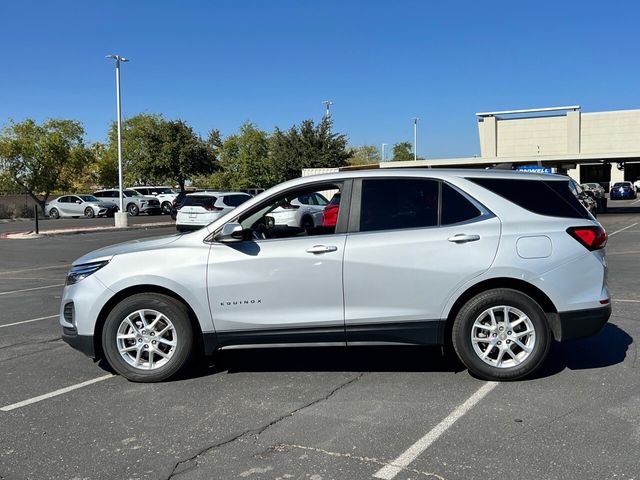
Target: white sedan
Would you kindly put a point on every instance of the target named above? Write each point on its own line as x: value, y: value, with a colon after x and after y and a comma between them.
x: 79, y: 206
x: 304, y: 211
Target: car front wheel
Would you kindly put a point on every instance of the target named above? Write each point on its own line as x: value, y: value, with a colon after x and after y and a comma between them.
x: 148, y: 337
x: 133, y: 210
x: 89, y: 213
x: 501, y: 334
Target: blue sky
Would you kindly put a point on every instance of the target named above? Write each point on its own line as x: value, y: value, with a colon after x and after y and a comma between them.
x: 218, y: 64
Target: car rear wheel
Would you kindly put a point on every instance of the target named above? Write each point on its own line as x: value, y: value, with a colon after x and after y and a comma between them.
x: 89, y: 213
x: 501, y: 334
x: 133, y: 210
x: 166, y: 208
x: 148, y: 337
x: 54, y: 213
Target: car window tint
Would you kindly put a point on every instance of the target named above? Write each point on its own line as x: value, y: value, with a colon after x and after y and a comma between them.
x: 63, y: 200
x: 389, y: 204
x: 552, y: 198
x: 199, y: 201
x: 455, y: 207
x: 235, y: 200
x: 320, y: 200
x: 305, y: 199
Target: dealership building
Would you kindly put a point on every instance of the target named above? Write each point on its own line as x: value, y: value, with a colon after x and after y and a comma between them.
x: 599, y: 147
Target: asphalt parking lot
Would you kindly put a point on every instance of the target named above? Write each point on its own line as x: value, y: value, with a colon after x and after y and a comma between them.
x: 316, y: 413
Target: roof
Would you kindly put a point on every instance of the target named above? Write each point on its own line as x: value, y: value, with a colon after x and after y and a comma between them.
x: 210, y: 193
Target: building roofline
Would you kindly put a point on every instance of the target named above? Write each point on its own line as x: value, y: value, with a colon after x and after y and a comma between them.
x: 528, y: 110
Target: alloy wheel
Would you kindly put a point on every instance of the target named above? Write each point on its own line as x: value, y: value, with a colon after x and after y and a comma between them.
x: 146, y: 339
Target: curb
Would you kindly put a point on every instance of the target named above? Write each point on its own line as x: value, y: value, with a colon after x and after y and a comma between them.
x: 53, y: 233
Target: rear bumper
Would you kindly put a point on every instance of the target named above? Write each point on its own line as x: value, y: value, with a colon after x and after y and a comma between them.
x: 83, y: 343
x: 580, y: 323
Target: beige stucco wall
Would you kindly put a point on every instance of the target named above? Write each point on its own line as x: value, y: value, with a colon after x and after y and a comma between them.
x: 531, y: 136
x: 617, y: 131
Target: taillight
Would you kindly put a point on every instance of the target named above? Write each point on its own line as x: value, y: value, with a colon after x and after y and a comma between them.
x: 591, y: 237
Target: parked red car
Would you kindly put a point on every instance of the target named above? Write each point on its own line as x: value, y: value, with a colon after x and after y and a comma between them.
x: 330, y: 213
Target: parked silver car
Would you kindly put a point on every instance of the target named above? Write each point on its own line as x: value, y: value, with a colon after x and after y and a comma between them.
x: 498, y: 263
x: 79, y: 206
x: 132, y: 201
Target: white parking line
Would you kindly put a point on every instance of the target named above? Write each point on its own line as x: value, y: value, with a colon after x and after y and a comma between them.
x: 390, y: 471
x: 633, y: 203
x: 55, y: 393
x: 624, y: 300
x: 34, y: 269
x: 29, y: 321
x: 623, y: 229
x: 31, y: 289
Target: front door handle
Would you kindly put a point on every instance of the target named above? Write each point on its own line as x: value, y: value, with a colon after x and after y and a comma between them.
x: 322, y: 249
x: 462, y: 238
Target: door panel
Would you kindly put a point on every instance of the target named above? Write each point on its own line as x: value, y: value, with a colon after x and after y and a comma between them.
x: 408, y: 275
x: 277, y: 284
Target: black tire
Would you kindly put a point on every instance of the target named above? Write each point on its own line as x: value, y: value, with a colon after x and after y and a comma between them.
x: 89, y: 213
x: 54, y: 213
x: 166, y: 208
x: 463, y: 325
x: 133, y: 210
x: 176, y: 311
x: 306, y: 223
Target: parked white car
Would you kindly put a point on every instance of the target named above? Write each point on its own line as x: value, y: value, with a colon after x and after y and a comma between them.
x: 202, y: 208
x: 636, y: 185
x: 133, y: 202
x: 78, y: 206
x: 165, y: 195
x: 304, y: 211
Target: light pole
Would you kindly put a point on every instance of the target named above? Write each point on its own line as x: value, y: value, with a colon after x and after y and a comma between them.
x: 327, y: 105
x: 120, y: 217
x: 383, y: 147
x: 415, y: 138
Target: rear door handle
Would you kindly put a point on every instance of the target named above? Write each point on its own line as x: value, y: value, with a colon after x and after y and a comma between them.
x: 322, y: 249
x: 462, y: 238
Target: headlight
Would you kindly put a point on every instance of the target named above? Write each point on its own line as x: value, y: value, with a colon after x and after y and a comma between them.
x: 80, y: 272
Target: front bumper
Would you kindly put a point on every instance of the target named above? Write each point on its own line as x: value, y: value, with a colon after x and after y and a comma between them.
x: 580, y: 323
x: 83, y: 343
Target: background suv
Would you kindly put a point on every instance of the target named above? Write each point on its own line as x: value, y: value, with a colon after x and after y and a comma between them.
x: 133, y: 202
x: 165, y: 195
x: 483, y: 260
x: 202, y: 208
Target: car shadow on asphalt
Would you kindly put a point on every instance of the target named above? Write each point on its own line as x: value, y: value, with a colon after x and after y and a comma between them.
x: 612, y: 208
x: 327, y: 359
x: 607, y: 348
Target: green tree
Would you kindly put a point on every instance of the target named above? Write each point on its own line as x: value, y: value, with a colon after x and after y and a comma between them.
x: 365, y: 155
x: 43, y: 158
x: 307, y: 146
x: 402, y: 152
x: 156, y: 150
x: 245, y: 161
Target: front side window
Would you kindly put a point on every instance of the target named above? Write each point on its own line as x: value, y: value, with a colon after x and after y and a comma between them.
x: 286, y: 216
x: 397, y: 203
x: 130, y: 193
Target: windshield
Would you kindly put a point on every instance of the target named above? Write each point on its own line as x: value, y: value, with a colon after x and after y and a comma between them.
x: 88, y: 198
x: 131, y: 193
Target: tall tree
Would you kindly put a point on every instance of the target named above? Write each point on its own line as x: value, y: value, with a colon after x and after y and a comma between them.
x: 307, y: 146
x: 156, y: 150
x: 402, y: 152
x: 365, y: 155
x: 43, y: 158
x: 245, y: 161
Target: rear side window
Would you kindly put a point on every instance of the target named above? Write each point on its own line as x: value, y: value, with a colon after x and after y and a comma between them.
x: 455, y: 207
x: 199, y: 201
x: 235, y: 200
x: 552, y: 198
x: 389, y: 204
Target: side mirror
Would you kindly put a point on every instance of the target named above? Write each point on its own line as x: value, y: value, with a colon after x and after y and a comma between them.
x: 230, y: 233
x: 270, y: 222
x: 154, y: 193
x: 78, y: 202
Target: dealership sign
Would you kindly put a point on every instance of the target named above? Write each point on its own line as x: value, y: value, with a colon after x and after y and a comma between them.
x: 536, y: 169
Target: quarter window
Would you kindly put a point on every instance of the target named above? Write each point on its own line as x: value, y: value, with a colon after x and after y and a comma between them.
x: 455, y: 207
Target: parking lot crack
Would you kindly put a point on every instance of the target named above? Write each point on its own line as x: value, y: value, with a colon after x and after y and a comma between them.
x: 359, y: 458
x: 191, y: 462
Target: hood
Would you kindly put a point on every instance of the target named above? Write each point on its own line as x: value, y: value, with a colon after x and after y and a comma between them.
x: 107, y: 253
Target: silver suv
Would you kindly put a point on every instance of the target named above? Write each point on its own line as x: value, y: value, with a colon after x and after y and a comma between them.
x: 497, y: 263
x: 133, y: 202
